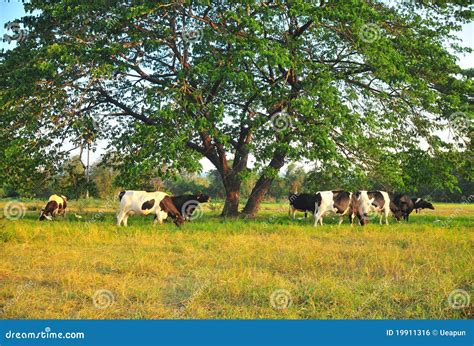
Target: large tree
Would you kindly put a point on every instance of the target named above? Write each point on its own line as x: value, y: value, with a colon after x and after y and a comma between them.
x: 340, y: 83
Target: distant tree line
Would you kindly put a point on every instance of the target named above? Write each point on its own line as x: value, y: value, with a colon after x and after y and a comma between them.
x: 105, y: 183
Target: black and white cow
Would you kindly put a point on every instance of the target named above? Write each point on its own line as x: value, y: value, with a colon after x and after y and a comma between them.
x: 337, y: 201
x: 372, y: 201
x: 56, y: 206
x: 420, y: 203
x: 303, y: 202
x: 145, y: 203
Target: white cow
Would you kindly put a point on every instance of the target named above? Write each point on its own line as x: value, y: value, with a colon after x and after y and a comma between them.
x: 146, y: 203
x: 339, y: 202
x: 373, y: 201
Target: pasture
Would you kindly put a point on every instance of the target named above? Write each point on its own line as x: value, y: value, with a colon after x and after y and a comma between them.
x: 270, y: 267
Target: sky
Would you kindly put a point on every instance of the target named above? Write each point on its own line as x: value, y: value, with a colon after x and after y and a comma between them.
x: 13, y: 9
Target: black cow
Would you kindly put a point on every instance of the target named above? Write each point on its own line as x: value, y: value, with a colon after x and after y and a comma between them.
x: 187, y: 204
x: 303, y: 202
x: 403, y: 205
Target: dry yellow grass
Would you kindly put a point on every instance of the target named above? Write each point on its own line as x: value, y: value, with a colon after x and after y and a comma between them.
x: 213, y: 268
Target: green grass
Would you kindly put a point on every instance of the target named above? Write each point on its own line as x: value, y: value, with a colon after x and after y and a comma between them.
x: 216, y: 268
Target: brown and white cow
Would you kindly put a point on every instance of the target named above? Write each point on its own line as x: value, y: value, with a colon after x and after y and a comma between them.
x: 157, y: 203
x: 336, y: 201
x: 56, y: 206
x: 372, y: 201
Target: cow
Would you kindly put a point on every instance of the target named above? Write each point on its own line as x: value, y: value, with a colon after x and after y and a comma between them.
x: 145, y: 203
x: 372, y: 201
x: 420, y: 203
x: 56, y: 206
x: 187, y: 204
x: 336, y: 201
x: 303, y: 202
x: 403, y: 205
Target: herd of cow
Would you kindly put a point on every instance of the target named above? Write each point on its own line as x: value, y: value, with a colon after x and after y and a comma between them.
x: 180, y: 208
x: 359, y: 204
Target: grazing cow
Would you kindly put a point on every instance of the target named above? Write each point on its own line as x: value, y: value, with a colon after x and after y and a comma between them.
x: 303, y: 202
x: 339, y: 202
x: 146, y: 203
x: 56, y: 206
x: 404, y: 205
x: 420, y: 203
x: 187, y: 204
x: 372, y: 201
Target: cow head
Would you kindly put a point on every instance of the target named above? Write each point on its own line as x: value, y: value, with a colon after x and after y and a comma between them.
x: 168, y: 207
x: 43, y: 215
x: 178, y: 220
x: 420, y: 203
x: 397, y: 212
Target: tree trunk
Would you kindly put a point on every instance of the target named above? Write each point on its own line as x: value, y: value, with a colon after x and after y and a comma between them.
x: 232, y: 185
x: 258, y: 192
x: 262, y: 186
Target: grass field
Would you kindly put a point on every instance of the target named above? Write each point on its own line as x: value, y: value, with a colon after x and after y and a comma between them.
x: 270, y: 267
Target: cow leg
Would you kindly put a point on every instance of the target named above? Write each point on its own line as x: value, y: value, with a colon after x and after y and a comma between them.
x: 158, y: 219
x: 316, y: 218
x: 351, y: 219
x: 305, y: 214
x: 120, y: 216
x: 381, y: 217
x: 293, y: 210
x: 386, y: 216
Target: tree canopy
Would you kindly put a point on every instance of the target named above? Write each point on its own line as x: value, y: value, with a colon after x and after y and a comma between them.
x: 358, y: 86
